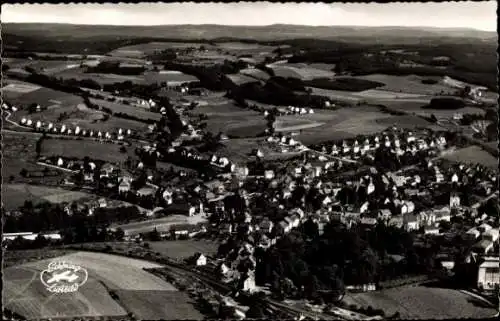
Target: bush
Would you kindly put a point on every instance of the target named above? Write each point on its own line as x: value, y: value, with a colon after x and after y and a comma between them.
x: 446, y: 103
x: 429, y: 81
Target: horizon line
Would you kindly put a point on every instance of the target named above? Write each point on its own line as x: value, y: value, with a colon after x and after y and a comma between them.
x: 254, y: 26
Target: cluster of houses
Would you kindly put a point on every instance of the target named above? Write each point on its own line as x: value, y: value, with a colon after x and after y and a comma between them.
x: 7, y: 107
x: 77, y: 131
x: 291, y: 110
x: 393, y: 204
x: 405, y: 143
x: 30, y: 236
x: 286, y: 143
x: 146, y: 103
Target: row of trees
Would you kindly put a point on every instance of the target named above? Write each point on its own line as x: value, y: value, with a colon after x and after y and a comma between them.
x: 46, y: 217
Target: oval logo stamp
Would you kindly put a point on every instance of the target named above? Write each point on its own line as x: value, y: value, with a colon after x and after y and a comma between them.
x: 63, y: 277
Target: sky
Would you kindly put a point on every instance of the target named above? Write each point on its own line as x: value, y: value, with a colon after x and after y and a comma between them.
x: 466, y: 14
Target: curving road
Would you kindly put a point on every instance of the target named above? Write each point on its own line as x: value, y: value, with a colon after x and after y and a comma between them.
x: 13, y: 122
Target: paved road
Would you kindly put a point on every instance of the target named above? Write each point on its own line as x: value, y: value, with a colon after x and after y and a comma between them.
x: 32, y: 133
x: 348, y: 160
x: 57, y: 167
x: 13, y: 122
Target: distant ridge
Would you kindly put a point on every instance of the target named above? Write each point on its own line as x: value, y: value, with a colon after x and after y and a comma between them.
x: 210, y: 31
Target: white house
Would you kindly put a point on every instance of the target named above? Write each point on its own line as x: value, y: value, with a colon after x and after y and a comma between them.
x: 489, y: 274
x: 384, y: 214
x: 60, y: 162
x: 124, y: 186
x: 370, y: 188
x: 454, y: 201
x: 411, y: 222
x: 201, y: 260
x: 491, y: 235
x: 431, y: 230
x: 249, y: 283
x: 29, y: 122
x: 473, y: 233
x: 426, y: 218
x: 364, y: 207
x: 484, y: 227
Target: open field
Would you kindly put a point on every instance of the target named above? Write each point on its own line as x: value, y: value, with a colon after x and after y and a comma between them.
x: 239, y: 149
x: 59, y: 112
x: 19, y: 257
x: 168, y: 76
x: 473, y: 154
x: 162, y: 224
x: 301, y: 70
x: 296, y: 123
x: 141, y: 50
x: 112, y: 124
x: 255, y: 73
x: 15, y: 194
x: 103, y: 267
x: 415, y: 107
x: 180, y: 249
x: 385, y: 94
x: 23, y: 94
x: 238, y: 128
x: 18, y: 152
x: 50, y: 67
x: 240, y: 79
x: 405, y: 121
x: 422, y: 303
x: 101, y: 79
x: 244, y: 46
x: 325, y: 125
x: 80, y: 148
x: 411, y: 84
x: 19, y: 88
x: 237, y: 125
x: 232, y: 120
x: 156, y: 305
x: 221, y: 107
x: 349, y: 122
x: 126, y: 109
x: 15, y: 63
x: 336, y: 95
x: 26, y: 295
x: 297, y: 127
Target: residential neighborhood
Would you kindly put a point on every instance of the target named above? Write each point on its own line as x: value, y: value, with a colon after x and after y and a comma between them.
x: 214, y: 171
